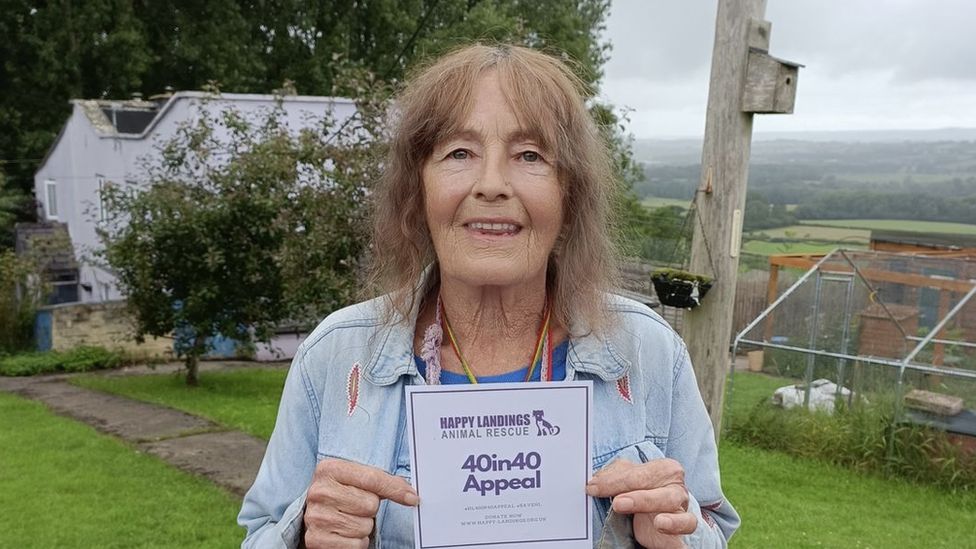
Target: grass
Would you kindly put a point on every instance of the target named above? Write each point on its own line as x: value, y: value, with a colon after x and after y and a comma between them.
x: 798, y: 503
x: 897, y: 225
x: 65, y: 485
x: 245, y: 399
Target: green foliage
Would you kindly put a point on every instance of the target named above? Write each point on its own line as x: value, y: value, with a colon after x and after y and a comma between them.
x: 760, y: 214
x: 12, y: 204
x: 865, y: 437
x: 79, y: 359
x: 678, y: 274
x: 85, y: 489
x: 234, y: 235
x: 20, y: 295
x: 57, y: 51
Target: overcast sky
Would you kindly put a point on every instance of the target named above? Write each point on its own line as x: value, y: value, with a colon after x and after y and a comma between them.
x: 870, y: 64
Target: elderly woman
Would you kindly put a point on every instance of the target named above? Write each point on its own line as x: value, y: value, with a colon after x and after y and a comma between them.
x: 493, y: 244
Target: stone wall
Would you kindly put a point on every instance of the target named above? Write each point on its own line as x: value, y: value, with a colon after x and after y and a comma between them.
x: 106, y: 324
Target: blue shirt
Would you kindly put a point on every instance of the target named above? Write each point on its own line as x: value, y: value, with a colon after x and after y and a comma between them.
x: 515, y: 376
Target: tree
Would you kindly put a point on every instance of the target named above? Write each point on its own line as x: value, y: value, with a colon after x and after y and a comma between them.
x: 235, y: 234
x: 12, y: 203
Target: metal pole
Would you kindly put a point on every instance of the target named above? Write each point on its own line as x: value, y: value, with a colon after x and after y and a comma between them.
x: 845, y: 335
x: 780, y: 299
x: 938, y: 327
x: 954, y: 372
x: 814, y: 334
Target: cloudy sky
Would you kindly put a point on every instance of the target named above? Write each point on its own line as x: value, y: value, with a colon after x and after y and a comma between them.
x: 870, y: 64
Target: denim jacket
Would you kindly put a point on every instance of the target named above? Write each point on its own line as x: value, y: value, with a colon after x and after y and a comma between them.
x: 344, y: 398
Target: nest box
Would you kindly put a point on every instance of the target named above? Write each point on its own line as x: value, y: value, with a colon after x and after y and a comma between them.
x: 770, y: 85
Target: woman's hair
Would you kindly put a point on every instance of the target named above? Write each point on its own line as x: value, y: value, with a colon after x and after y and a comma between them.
x: 547, y: 98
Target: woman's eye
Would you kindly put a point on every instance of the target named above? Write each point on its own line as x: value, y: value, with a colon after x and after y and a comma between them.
x: 531, y: 156
x: 459, y: 154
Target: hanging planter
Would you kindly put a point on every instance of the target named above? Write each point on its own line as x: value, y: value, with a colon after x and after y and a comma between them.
x: 681, y: 289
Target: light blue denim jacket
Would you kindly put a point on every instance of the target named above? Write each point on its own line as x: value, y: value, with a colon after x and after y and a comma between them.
x: 344, y: 398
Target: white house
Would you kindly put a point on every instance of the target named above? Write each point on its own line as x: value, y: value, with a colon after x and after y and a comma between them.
x: 104, y: 142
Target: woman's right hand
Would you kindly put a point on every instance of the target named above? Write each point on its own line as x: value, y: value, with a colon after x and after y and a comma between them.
x: 342, y: 502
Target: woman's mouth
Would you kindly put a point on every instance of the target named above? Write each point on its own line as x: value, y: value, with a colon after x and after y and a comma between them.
x: 494, y: 229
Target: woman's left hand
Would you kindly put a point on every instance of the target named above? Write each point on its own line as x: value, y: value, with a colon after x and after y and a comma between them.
x: 655, y: 493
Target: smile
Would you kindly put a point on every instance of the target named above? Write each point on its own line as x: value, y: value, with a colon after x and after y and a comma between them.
x: 494, y: 228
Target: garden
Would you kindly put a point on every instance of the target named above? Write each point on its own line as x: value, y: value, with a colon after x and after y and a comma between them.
x: 108, y: 495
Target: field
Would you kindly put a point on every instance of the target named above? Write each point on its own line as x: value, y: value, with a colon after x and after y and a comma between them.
x: 897, y: 225
x: 653, y: 202
x: 817, y: 232
x: 765, y: 247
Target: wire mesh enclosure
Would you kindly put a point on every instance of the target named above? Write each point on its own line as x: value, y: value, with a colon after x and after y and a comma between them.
x: 878, y: 327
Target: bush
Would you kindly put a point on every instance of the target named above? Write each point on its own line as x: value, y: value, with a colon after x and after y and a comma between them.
x: 18, y: 302
x: 80, y: 359
x: 865, y: 438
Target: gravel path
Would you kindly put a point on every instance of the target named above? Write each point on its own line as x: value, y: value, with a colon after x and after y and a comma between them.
x: 228, y: 458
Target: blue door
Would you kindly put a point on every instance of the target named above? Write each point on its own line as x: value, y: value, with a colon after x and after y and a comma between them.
x: 42, y: 330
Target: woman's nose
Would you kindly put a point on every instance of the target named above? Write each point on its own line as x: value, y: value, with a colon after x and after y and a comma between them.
x: 493, y: 182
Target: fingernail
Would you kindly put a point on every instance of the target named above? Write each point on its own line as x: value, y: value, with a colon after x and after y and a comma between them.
x: 623, y: 505
x: 412, y: 499
x: 591, y: 490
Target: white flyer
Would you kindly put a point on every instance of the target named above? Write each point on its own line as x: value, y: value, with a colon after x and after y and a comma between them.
x: 502, y: 465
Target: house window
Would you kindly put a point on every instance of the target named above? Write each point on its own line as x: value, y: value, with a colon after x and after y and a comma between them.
x: 51, y: 194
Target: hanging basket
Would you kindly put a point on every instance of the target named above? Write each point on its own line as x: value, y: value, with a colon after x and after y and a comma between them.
x: 680, y: 289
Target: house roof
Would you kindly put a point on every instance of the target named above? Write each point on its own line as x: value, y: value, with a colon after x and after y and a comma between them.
x: 136, y: 118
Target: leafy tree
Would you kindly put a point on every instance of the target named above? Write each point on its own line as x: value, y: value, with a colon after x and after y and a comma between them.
x: 12, y: 202
x: 21, y: 292
x: 244, y: 224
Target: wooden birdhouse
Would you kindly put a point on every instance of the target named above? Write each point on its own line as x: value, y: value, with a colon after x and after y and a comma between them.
x: 770, y: 84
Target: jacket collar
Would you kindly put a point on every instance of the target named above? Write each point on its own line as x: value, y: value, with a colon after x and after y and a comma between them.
x: 391, y: 350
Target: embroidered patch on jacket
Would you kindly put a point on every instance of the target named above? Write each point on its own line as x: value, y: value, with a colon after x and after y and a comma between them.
x: 708, y: 515
x: 623, y: 387
x: 352, y: 388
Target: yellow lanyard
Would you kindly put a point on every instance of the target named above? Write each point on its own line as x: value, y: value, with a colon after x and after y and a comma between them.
x: 540, y: 345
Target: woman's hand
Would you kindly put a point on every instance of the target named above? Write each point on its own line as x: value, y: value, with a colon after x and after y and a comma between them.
x: 655, y: 493
x: 342, y: 502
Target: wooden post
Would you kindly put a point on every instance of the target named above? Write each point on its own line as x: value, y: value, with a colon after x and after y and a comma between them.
x: 740, y: 32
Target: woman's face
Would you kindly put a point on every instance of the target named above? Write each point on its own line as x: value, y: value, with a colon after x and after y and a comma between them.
x: 493, y: 201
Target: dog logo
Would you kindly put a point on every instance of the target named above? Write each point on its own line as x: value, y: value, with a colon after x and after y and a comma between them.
x: 544, y: 427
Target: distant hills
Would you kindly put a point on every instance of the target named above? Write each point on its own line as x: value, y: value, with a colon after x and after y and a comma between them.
x: 948, y: 149
x: 925, y: 175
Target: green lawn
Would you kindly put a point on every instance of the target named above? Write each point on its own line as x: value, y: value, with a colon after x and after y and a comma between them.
x: 896, y: 225
x: 795, y: 503
x: 245, y: 399
x: 64, y: 485
x: 784, y: 501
